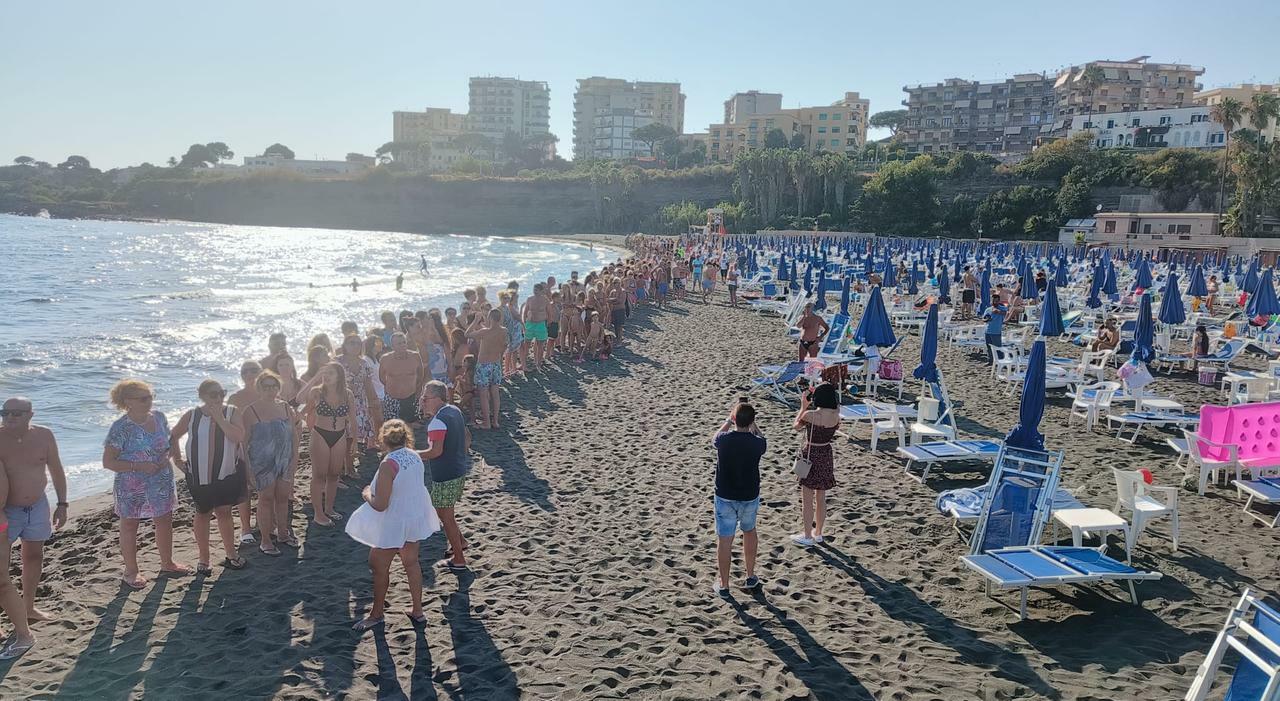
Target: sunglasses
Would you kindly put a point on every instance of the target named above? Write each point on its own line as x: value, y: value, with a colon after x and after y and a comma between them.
x: 14, y: 412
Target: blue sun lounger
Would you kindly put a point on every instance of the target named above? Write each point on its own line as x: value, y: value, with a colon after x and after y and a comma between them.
x: 1257, y: 644
x: 1260, y: 491
x: 781, y: 383
x: 1050, y: 565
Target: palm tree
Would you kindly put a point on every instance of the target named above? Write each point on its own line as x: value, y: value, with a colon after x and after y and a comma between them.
x: 1262, y: 108
x: 1228, y: 113
x: 1091, y: 78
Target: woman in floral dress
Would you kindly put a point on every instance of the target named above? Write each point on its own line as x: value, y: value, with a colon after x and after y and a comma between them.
x: 819, y: 419
x: 137, y: 450
x: 360, y: 382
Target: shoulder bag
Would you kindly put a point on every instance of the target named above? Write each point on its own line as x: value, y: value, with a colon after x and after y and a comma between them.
x: 802, y: 464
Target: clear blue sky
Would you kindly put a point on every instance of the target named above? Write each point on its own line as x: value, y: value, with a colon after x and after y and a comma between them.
x: 140, y: 80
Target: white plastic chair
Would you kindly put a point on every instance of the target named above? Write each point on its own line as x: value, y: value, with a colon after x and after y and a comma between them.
x: 929, y: 425
x: 1252, y: 390
x: 1092, y: 402
x: 885, y: 419
x: 1134, y: 494
x: 1094, y: 364
x: 1009, y: 366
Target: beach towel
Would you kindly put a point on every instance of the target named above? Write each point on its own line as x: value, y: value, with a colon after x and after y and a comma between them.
x: 968, y: 502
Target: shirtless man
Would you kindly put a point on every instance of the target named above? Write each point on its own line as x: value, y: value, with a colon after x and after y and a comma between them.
x: 30, y: 455
x: 401, y: 373
x: 10, y: 599
x: 709, y: 272
x: 492, y: 338
x: 661, y: 283
x: 240, y: 399
x: 536, y: 313
x: 277, y: 345
x: 968, y: 293
x: 812, y: 330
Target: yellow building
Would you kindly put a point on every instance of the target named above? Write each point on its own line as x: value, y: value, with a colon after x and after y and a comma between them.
x: 426, y: 138
x: 413, y: 127
x: 840, y: 127
x: 1126, y: 86
x: 1242, y: 93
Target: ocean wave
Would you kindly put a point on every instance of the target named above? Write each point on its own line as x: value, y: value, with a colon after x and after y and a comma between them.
x: 38, y: 300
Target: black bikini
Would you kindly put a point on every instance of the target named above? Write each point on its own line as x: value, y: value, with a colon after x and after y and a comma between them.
x: 323, y: 408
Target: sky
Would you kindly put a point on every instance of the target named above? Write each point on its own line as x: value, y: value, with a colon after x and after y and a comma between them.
x: 140, y: 80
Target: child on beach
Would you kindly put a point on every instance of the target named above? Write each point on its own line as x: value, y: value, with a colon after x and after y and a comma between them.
x: 464, y: 386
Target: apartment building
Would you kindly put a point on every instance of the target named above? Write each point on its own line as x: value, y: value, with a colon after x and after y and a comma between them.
x: 499, y: 105
x: 415, y: 127
x: 997, y: 116
x: 1123, y: 86
x: 750, y: 103
x: 840, y: 127
x: 623, y: 105
x: 1180, y: 127
x: 1243, y: 94
x: 724, y: 141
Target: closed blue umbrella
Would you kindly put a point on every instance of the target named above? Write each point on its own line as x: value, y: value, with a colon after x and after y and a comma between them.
x: 1144, y: 338
x: 1250, y: 277
x: 944, y: 288
x: 1029, y: 291
x: 927, y: 370
x: 1196, y: 286
x: 1171, y: 309
x: 1109, y: 281
x: 913, y: 287
x: 844, y: 296
x: 1143, y: 279
x: 1051, y: 312
x: 1095, y: 287
x: 1025, y: 435
x: 1263, y: 300
x: 984, y: 290
x: 795, y: 283
x: 808, y: 278
x: 1060, y: 274
x: 874, y: 328
x: 890, y: 274
x: 820, y: 303
x: 783, y: 273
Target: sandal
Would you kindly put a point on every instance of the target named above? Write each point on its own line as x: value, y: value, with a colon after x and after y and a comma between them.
x: 248, y: 539
x: 366, y: 623
x: 136, y: 582
x: 203, y: 568
x: 273, y: 552
x: 14, y: 649
x: 452, y: 567
x: 417, y: 620
x: 237, y: 564
x: 292, y: 541
x: 334, y: 516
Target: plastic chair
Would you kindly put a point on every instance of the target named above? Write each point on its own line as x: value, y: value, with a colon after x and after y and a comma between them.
x: 1134, y: 494
x: 1208, y: 467
x: 930, y: 425
x: 885, y: 419
x: 1092, y: 401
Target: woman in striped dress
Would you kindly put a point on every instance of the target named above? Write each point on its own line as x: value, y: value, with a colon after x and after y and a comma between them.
x: 214, y: 475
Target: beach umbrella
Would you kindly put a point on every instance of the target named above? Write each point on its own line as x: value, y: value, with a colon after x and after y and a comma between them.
x: 782, y: 268
x: 1109, y: 281
x: 1031, y: 409
x: 890, y: 277
x: 927, y: 370
x: 808, y: 278
x: 1051, y: 312
x: 1095, y: 287
x: 1145, y: 337
x: 944, y: 289
x: 1196, y: 286
x: 913, y: 287
x: 1143, y: 280
x: 820, y: 303
x: 794, y: 282
x: 1263, y: 300
x: 984, y: 290
x: 1171, y: 310
x: 1060, y: 274
x: 874, y: 328
x: 1029, y: 291
x: 1250, y: 277
x: 844, y: 296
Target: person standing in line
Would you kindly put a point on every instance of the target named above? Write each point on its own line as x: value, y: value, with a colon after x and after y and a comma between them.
x: 396, y: 515
x: 739, y: 446
x: 402, y: 376
x: 448, y: 459
x: 328, y: 413
x: 819, y: 418
x: 137, y: 450
x: 492, y: 341
x: 30, y: 454
x: 240, y: 399
x: 968, y: 293
x: 697, y: 264
x: 731, y: 281
x: 214, y: 473
x: 270, y: 426
x: 813, y: 329
x: 537, y: 312
x: 277, y: 345
x: 10, y: 600
x: 368, y: 410
x: 995, y: 330
x: 709, y: 272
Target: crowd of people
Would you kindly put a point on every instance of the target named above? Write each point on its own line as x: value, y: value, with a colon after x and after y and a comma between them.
x: 436, y: 371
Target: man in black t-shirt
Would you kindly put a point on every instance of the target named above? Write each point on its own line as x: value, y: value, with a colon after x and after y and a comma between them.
x: 739, y: 447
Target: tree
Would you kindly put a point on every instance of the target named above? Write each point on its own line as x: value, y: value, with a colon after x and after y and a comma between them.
x: 220, y: 152
x: 278, y: 149
x: 24, y: 160
x: 74, y: 163
x: 472, y: 143
x: 173, y: 162
x: 901, y: 198
x: 797, y: 142
x: 1228, y: 113
x: 1091, y: 78
x: 205, y: 155
x: 652, y: 133
x: 893, y: 120
x: 775, y: 138
x: 1178, y: 174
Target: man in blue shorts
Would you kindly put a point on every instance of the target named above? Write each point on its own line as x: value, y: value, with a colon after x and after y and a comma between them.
x: 739, y: 447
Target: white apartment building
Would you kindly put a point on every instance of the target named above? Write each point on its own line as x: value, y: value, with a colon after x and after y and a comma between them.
x: 623, y: 104
x: 1180, y: 127
x: 303, y: 167
x: 752, y: 102
x: 499, y: 105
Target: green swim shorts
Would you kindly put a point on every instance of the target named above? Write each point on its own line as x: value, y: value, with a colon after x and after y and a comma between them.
x: 444, y: 495
x: 535, y: 330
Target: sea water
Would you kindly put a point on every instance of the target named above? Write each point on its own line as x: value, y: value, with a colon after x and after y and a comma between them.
x: 86, y: 303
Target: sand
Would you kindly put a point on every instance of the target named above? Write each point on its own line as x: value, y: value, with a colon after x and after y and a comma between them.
x: 593, y: 556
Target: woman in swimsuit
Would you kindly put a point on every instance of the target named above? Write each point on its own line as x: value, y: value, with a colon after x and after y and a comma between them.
x: 271, y: 428
x: 328, y: 413
x: 459, y: 352
x: 317, y: 358
x: 437, y: 356
x: 290, y: 383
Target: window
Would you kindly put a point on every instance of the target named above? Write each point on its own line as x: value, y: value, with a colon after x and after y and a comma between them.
x: 836, y: 116
x: 822, y: 130
x: 1172, y: 228
x: 1109, y: 227
x: 835, y: 142
x: 1133, y: 226
x: 835, y: 130
x: 1136, y: 121
x: 1146, y: 228
x: 1184, y: 229
x: 822, y: 116
x: 1111, y: 124
x: 1164, y: 121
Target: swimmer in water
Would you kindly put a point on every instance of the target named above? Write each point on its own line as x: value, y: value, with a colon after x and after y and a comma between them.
x: 355, y: 286
x: 400, y: 281
x: 423, y: 267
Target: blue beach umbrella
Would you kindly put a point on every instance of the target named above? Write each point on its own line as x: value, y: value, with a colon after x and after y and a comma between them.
x: 1095, y: 288
x: 1051, y: 312
x: 890, y: 277
x: 1144, y: 337
x: 913, y: 287
x: 1109, y: 281
x: 1025, y: 435
x: 808, y: 278
x: 1171, y: 309
x: 1029, y: 291
x: 874, y: 328
x: 1196, y: 286
x: 927, y: 370
x: 782, y: 268
x: 844, y: 296
x: 984, y: 290
x: 1250, y: 277
x: 820, y: 303
x: 794, y: 283
x: 1060, y: 274
x: 1143, y: 279
x: 944, y: 289
x: 1263, y: 300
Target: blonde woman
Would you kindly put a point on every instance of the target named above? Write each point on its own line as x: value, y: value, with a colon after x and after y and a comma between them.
x: 271, y: 428
x: 367, y: 409
x: 137, y: 450
x: 330, y: 413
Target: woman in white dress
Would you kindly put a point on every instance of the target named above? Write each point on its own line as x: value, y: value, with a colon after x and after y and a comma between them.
x: 396, y: 514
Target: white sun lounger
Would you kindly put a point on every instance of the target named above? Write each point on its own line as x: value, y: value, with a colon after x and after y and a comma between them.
x: 1138, y: 419
x: 1256, y: 640
x: 928, y: 454
x: 1050, y: 565
x: 1262, y: 491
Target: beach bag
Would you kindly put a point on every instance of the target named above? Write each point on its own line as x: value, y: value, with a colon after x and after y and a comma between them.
x: 801, y: 466
x: 890, y: 369
x: 1137, y: 377
x: 1207, y: 375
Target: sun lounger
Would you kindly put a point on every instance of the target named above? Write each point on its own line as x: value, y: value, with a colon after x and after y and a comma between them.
x: 928, y: 454
x: 783, y: 383
x: 1261, y: 491
x: 1257, y: 644
x: 1050, y: 565
x: 862, y: 412
x: 1139, y: 419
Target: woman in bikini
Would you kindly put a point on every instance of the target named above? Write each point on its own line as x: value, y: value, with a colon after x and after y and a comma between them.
x: 465, y: 387
x: 329, y: 414
x: 290, y: 383
x: 459, y: 352
x: 317, y: 358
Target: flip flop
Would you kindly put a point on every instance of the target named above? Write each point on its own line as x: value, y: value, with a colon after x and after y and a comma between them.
x: 138, y: 581
x: 367, y: 623
x: 335, y: 516
x: 176, y: 572
x: 292, y: 541
x: 237, y: 564
x: 455, y: 568
x: 274, y: 552
x: 248, y: 539
x: 203, y: 568
x: 417, y: 620
x: 14, y: 649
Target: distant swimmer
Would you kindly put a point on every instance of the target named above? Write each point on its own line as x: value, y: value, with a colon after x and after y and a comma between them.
x: 355, y: 286
x: 423, y: 267
x: 400, y: 281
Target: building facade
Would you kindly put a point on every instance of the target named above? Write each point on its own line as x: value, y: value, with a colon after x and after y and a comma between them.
x: 611, y: 135
x: 998, y: 116
x: 840, y: 127
x: 500, y: 105
x: 724, y: 141
x: 1181, y: 127
x: 308, y: 168
x: 1123, y: 86
x: 1243, y: 94
x: 612, y: 97
x: 750, y: 103
x: 413, y: 127
x: 426, y: 140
